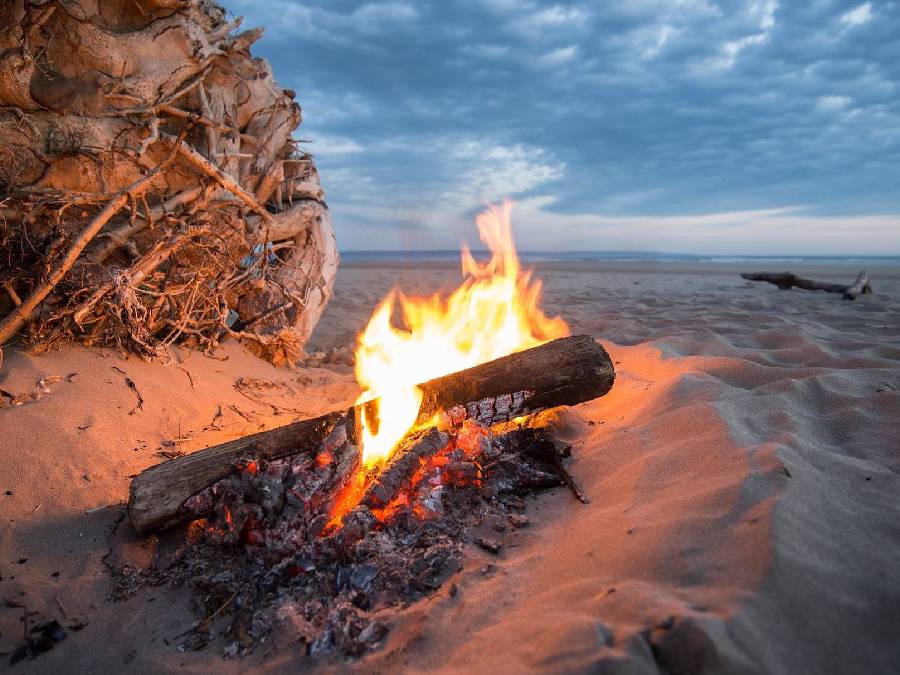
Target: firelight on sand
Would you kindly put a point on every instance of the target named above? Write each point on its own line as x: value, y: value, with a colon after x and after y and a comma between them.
x: 493, y: 313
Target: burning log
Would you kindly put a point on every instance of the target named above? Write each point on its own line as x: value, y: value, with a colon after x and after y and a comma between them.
x: 786, y: 280
x: 401, y: 468
x: 566, y: 371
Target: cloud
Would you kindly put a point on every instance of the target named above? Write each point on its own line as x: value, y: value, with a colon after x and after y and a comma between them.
x: 858, y: 16
x: 482, y: 51
x: 761, y: 15
x: 557, y: 57
x: 288, y: 17
x: 557, y: 17
x: 613, y: 113
x: 490, y: 172
x: 654, y: 39
x: 722, y: 233
x: 828, y: 103
x: 324, y: 145
x: 505, y: 6
x: 378, y: 16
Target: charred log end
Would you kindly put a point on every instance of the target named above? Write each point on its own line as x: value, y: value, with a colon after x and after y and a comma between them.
x: 157, y: 496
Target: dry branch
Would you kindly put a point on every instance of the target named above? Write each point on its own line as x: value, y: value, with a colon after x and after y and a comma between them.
x: 208, y: 168
x: 567, y: 371
x: 786, y: 280
x: 119, y: 237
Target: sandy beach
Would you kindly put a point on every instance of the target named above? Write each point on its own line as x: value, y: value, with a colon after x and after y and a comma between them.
x: 743, y: 476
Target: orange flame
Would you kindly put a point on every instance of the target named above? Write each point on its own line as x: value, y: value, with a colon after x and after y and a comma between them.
x: 494, y: 312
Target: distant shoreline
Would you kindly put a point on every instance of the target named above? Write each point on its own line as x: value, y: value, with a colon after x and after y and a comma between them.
x: 837, y: 272
x: 587, y: 257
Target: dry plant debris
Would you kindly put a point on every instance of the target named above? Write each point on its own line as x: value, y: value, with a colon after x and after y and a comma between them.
x: 150, y: 189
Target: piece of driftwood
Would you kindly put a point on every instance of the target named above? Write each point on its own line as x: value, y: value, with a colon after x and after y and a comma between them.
x: 566, y: 371
x: 786, y: 280
x: 125, y: 126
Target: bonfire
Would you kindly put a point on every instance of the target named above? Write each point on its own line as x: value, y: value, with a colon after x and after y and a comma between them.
x: 327, y: 523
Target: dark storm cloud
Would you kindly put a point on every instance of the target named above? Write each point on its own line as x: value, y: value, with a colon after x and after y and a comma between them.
x: 601, y: 119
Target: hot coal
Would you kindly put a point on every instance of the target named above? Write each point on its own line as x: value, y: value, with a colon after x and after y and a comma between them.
x: 271, y: 555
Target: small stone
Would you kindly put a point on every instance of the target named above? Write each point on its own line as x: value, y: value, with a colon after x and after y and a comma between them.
x: 363, y: 576
x: 518, y: 520
x: 489, y: 545
x: 372, y: 633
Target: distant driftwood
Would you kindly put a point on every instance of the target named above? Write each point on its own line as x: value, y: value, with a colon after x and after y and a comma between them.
x: 786, y: 280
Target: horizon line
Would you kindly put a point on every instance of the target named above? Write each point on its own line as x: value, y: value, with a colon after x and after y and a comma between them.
x: 633, y: 252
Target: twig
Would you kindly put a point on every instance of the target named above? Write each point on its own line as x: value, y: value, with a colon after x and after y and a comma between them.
x: 550, y: 454
x: 120, y: 235
x: 204, y: 623
x: 194, y: 117
x: 212, y: 138
x: 237, y: 410
x: 225, y: 181
x: 139, y: 270
x: 133, y: 387
x: 188, y: 373
x: 8, y: 287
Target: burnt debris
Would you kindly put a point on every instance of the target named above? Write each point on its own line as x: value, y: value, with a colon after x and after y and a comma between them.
x: 315, y: 548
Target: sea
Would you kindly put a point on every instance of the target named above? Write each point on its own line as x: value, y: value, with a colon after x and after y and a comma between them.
x: 625, y: 256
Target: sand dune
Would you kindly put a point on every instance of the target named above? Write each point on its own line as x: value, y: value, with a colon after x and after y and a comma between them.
x: 743, y: 476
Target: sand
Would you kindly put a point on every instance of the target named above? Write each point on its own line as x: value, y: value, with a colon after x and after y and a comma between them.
x: 743, y: 477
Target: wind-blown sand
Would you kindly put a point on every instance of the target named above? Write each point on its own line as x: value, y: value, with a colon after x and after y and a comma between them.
x: 743, y: 476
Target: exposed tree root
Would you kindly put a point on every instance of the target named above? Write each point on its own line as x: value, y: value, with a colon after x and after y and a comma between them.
x: 150, y: 190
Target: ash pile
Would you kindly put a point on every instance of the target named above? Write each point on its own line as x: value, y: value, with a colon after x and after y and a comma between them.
x: 318, y: 546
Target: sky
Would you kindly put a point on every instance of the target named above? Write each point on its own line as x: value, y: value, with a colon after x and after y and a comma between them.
x: 680, y: 126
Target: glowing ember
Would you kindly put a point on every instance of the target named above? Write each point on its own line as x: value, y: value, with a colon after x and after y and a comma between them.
x: 493, y: 313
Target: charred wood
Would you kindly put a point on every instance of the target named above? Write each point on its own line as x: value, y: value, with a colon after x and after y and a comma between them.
x: 566, y: 371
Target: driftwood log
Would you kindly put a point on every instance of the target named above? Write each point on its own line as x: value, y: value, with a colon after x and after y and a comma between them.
x: 150, y: 189
x: 566, y: 371
x: 786, y: 280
